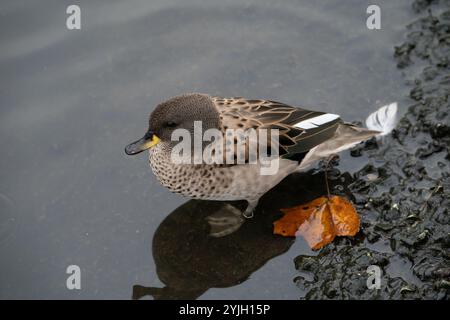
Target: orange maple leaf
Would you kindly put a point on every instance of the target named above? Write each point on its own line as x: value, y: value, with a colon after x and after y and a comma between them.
x: 319, y: 221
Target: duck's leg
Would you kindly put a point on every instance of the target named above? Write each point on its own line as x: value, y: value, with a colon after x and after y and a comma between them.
x: 248, y: 213
x: 228, y: 219
x: 225, y: 221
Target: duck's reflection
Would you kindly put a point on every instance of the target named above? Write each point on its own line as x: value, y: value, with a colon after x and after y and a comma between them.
x: 189, y: 261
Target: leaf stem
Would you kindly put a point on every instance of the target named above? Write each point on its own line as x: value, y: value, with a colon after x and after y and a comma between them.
x: 326, y: 175
x: 326, y: 183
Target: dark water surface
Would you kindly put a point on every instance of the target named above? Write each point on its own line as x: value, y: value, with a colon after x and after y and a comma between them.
x: 71, y: 101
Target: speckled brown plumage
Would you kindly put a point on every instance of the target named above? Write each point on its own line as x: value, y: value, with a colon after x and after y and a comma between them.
x: 299, y: 135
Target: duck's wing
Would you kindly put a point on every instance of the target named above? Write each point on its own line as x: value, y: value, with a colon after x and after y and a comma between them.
x: 299, y: 129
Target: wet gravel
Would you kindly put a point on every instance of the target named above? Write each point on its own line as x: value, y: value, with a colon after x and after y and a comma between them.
x: 403, y: 193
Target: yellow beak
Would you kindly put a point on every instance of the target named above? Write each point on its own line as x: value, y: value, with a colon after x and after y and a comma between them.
x: 148, y: 141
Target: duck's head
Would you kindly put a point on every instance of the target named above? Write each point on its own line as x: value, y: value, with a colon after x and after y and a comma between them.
x: 176, y: 113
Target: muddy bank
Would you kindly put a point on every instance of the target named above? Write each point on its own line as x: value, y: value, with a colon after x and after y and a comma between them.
x: 403, y: 192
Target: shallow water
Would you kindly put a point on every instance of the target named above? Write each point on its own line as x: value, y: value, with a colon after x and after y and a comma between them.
x: 71, y: 101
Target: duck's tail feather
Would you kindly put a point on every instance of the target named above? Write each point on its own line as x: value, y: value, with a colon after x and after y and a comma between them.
x: 345, y: 137
x: 384, y: 119
x: 379, y: 123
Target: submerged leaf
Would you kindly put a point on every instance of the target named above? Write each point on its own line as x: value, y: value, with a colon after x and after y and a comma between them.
x: 345, y: 217
x: 319, y: 221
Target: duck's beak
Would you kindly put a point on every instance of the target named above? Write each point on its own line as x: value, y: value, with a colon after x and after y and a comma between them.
x: 149, y: 140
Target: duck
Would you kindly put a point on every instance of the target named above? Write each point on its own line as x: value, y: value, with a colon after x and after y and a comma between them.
x: 304, y: 137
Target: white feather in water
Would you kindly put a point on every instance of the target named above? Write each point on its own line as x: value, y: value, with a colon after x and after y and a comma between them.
x: 384, y: 119
x: 316, y: 121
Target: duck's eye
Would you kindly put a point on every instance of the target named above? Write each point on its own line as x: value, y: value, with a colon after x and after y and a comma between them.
x: 171, y: 124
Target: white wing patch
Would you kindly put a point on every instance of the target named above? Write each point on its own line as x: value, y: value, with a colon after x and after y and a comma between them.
x: 316, y: 121
x: 384, y: 119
